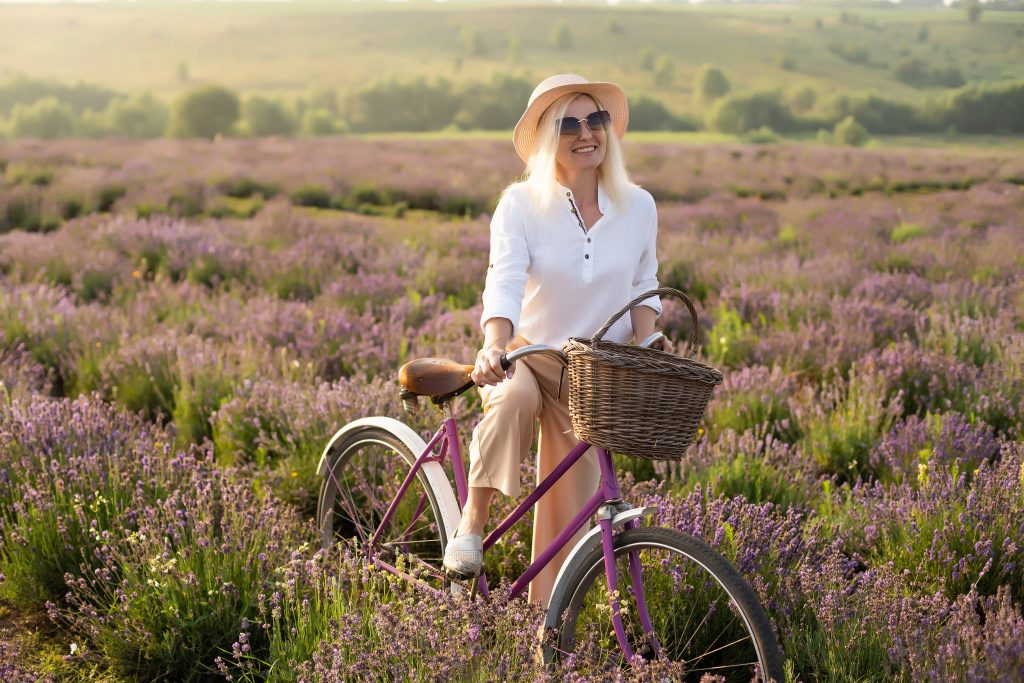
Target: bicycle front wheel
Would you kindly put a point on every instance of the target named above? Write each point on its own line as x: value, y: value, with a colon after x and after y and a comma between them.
x: 703, y: 616
x: 364, y: 475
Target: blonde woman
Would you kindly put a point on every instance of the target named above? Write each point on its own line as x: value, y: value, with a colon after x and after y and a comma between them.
x: 570, y: 244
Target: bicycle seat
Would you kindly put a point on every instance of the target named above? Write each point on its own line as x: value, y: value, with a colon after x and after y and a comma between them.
x: 434, y: 376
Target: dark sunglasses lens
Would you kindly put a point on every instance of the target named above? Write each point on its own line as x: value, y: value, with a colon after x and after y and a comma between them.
x: 599, y: 119
x: 569, y: 126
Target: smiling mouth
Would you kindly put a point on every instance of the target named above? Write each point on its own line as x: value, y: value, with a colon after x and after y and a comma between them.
x: 584, y: 150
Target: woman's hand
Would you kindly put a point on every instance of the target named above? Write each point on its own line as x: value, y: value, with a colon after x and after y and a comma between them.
x: 665, y: 344
x: 488, y: 368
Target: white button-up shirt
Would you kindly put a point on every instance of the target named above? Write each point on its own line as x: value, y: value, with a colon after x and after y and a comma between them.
x: 555, y: 279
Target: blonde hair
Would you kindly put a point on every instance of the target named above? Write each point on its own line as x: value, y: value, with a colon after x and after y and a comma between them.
x: 540, y: 177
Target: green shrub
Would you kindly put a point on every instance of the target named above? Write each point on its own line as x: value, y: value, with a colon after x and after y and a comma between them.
x: 648, y: 113
x: 27, y: 90
x: 731, y: 339
x: 850, y: 132
x: 108, y: 196
x: 187, y: 201
x: 265, y: 116
x: 383, y: 106
x: 244, y: 186
x: 312, y: 195
x: 137, y: 117
x: 40, y: 176
x: 988, y: 108
x: 21, y: 210
x: 761, y: 136
x: 742, y: 112
x: 319, y: 123
x: 494, y: 105
x: 71, y: 207
x: 880, y: 115
x: 918, y: 73
x: 95, y: 285
x: 904, y: 232
x: 842, y: 424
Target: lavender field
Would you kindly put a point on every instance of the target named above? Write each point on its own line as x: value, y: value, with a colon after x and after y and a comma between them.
x: 183, y: 325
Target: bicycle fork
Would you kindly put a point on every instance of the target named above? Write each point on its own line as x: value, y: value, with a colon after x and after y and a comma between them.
x: 604, y: 520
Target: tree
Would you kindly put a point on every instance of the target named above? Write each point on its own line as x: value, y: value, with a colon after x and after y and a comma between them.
x: 710, y: 84
x: 317, y: 122
x: 802, y: 100
x: 647, y: 113
x: 139, y: 116
x: 204, y: 113
x: 743, y: 112
x: 494, y: 105
x: 267, y: 116
x: 45, y: 119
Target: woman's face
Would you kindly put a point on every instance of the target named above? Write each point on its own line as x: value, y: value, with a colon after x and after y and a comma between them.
x: 586, y: 151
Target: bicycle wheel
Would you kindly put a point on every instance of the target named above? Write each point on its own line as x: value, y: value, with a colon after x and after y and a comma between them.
x: 705, y: 618
x: 365, y: 472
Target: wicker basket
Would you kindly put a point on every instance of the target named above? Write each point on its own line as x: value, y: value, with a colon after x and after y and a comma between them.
x: 638, y: 401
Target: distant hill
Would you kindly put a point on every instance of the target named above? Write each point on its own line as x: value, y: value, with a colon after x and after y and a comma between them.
x: 287, y: 48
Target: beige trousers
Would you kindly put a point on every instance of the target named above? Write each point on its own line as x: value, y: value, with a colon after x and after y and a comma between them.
x: 503, y: 439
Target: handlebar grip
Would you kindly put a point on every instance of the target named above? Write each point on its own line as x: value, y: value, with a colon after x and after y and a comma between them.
x: 505, y: 363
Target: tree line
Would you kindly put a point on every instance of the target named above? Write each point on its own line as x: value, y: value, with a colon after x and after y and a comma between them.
x: 31, y: 108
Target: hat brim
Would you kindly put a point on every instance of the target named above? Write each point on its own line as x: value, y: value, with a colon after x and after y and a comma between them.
x: 611, y: 96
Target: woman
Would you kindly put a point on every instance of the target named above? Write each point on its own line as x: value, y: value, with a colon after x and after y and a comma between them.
x: 570, y: 245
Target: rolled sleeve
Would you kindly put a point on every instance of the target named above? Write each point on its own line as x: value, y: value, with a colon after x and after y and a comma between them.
x: 646, y: 276
x: 508, y: 266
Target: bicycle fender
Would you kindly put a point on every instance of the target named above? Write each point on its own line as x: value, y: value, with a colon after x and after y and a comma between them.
x: 586, y: 544
x: 434, y: 472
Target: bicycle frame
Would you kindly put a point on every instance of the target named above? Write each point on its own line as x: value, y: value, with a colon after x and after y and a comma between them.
x: 446, y: 439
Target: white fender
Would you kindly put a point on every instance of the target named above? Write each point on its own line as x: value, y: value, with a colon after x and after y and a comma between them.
x: 584, y: 546
x: 448, y: 508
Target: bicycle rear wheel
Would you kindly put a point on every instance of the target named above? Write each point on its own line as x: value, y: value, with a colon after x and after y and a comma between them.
x: 364, y: 474
x: 705, y: 618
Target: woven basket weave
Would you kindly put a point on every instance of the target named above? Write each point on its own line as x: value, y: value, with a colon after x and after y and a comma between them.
x: 638, y: 401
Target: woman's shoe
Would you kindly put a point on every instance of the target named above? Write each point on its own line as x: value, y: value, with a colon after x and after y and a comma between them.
x: 464, y: 555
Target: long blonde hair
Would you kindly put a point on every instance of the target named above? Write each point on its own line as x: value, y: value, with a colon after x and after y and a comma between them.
x: 540, y: 178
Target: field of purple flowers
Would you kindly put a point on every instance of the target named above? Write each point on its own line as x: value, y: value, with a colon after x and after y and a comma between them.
x: 184, y: 325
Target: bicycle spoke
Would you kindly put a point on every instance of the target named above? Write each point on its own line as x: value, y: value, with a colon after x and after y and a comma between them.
x: 698, y: 626
x: 361, y: 486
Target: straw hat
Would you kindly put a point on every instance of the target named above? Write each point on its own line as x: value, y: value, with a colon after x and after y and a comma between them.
x: 524, y: 137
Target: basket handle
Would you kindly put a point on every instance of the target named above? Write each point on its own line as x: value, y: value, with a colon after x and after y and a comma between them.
x: 661, y: 291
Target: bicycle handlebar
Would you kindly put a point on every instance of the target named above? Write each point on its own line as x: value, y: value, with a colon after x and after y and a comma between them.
x: 509, y: 358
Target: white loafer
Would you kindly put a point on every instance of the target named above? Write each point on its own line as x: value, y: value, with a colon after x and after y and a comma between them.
x: 464, y: 555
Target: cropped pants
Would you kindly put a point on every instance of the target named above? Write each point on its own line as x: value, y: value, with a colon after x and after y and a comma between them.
x: 503, y: 439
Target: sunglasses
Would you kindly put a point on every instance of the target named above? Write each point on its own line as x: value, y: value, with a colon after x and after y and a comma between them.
x: 596, y: 122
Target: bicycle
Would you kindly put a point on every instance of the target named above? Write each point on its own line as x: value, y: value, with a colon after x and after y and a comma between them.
x: 664, y: 594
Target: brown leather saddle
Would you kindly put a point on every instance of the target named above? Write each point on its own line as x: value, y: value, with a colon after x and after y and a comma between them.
x: 438, y: 378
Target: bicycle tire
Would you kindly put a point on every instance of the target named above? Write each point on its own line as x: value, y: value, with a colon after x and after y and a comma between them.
x: 365, y: 471
x: 699, y: 577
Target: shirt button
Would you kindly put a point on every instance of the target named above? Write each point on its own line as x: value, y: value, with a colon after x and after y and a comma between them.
x: 586, y: 256
x: 588, y: 239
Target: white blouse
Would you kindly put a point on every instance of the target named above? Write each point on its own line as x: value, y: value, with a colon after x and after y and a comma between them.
x: 555, y: 280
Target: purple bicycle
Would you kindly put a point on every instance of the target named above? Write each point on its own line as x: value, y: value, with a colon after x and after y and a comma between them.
x: 626, y: 590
